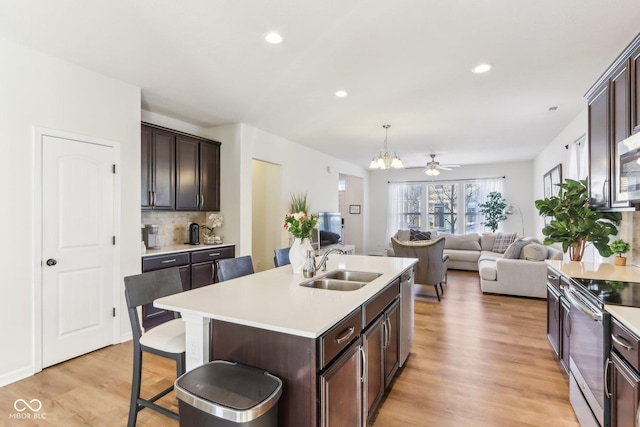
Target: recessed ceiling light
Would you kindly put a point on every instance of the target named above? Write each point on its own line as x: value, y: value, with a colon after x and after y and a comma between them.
x: 554, y: 108
x: 341, y: 93
x: 273, y: 38
x: 482, y: 68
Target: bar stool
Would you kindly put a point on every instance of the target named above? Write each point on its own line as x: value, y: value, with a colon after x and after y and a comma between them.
x: 166, y: 339
x: 230, y: 268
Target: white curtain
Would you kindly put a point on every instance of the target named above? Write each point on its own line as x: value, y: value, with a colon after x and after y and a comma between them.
x: 578, y: 163
x: 394, y: 215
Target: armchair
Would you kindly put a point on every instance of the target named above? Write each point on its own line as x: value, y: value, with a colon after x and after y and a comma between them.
x: 432, y: 263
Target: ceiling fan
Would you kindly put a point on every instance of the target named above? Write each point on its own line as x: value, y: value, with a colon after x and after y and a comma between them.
x: 433, y: 168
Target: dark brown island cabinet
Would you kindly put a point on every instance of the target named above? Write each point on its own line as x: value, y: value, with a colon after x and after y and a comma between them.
x: 197, y: 268
x: 623, y: 385
x: 179, y: 171
x: 614, y: 115
x: 335, y: 380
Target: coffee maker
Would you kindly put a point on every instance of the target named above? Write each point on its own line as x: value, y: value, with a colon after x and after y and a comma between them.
x: 194, y: 234
x: 149, y: 235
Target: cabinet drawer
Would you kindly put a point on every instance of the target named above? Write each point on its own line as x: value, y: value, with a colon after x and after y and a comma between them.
x: 212, y: 254
x: 165, y: 261
x: 625, y: 343
x: 553, y: 279
x: 376, y: 304
x: 340, y: 336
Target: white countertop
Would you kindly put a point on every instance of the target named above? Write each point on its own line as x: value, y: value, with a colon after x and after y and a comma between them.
x: 182, y: 248
x: 589, y: 270
x: 273, y: 299
x: 629, y: 316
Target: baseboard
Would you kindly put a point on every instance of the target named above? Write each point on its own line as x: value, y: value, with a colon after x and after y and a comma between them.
x: 126, y: 337
x: 17, y: 375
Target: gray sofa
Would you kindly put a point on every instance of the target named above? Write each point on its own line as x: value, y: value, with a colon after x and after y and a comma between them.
x: 516, y: 268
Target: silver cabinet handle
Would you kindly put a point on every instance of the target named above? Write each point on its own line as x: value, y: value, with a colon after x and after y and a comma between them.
x: 197, y: 200
x: 155, y: 198
x: 201, y: 201
x: 595, y: 316
x: 606, y: 376
x: 346, y: 334
x: 604, y: 191
x: 364, y: 365
x: 168, y: 261
x: 567, y: 323
x: 215, y: 254
x: 388, y: 329
x: 622, y: 342
x: 384, y: 334
x: 552, y: 277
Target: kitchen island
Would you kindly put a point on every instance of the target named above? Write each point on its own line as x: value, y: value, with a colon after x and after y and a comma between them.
x: 319, y: 342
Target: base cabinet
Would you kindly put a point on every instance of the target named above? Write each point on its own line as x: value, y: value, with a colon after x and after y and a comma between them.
x: 558, y: 321
x: 197, y: 269
x: 624, y: 379
x: 341, y: 388
x: 625, y: 383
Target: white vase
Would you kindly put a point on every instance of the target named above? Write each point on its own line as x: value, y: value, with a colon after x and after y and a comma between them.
x: 298, y: 254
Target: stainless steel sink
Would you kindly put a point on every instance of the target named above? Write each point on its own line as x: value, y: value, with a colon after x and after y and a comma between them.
x: 342, y: 280
x: 356, y: 276
x: 333, y: 284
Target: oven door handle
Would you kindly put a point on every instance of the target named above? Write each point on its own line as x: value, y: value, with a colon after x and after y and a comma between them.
x: 583, y: 308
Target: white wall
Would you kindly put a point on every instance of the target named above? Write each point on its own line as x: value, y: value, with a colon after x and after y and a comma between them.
x: 303, y: 169
x: 39, y: 90
x: 517, y: 188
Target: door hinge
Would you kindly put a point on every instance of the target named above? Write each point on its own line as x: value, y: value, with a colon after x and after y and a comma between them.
x: 114, y: 168
x: 114, y: 312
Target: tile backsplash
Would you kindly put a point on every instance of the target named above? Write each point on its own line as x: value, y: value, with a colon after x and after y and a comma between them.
x: 172, y: 226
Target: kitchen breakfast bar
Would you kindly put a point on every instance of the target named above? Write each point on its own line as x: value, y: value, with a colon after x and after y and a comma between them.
x: 336, y: 352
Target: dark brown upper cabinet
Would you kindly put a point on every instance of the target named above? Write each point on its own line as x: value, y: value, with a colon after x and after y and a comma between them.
x: 613, y: 103
x: 179, y: 171
x: 157, y: 169
x: 198, y: 175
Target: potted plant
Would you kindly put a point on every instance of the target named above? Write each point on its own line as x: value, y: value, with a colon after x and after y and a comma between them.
x: 620, y: 247
x: 493, y: 210
x: 574, y: 223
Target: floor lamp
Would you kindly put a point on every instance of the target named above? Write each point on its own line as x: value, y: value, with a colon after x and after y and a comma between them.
x: 512, y: 209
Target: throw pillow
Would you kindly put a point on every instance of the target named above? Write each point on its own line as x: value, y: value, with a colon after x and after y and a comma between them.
x: 514, y: 249
x: 535, y: 252
x: 417, y: 235
x: 503, y: 240
x: 403, y: 235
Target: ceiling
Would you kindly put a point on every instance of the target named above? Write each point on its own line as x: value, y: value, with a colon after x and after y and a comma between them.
x: 404, y: 63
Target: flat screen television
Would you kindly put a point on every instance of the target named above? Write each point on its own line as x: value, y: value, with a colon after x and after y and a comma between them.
x: 330, y: 230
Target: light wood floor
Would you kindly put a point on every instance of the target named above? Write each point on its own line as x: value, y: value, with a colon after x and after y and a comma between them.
x: 478, y: 360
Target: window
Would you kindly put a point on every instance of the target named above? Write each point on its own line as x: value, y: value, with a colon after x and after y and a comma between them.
x: 447, y: 207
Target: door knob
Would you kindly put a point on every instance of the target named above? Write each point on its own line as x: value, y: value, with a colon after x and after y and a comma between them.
x: 51, y: 262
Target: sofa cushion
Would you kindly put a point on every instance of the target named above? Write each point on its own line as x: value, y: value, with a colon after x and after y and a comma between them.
x: 462, y: 255
x: 487, y: 241
x: 469, y: 242
x: 515, y: 249
x: 417, y: 235
x: 503, y: 240
x: 534, y: 252
x: 487, y: 270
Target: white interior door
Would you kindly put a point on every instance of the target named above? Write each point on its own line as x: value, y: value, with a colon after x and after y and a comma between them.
x: 77, y: 248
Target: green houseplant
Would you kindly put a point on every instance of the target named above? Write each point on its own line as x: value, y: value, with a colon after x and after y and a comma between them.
x: 620, y: 247
x: 493, y: 210
x: 574, y: 223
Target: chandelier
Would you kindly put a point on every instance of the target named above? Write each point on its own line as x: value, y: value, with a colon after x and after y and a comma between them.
x: 385, y: 159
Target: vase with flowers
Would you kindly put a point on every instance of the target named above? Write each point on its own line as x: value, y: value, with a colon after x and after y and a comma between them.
x: 300, y: 225
x: 214, y: 220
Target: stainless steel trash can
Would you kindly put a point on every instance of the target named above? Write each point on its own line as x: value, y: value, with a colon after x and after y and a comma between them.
x: 226, y: 394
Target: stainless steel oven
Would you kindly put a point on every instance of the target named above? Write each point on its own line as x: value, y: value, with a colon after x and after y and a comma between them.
x: 628, y: 169
x: 589, y: 324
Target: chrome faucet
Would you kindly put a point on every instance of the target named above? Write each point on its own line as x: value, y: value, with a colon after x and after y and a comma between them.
x: 323, y: 260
